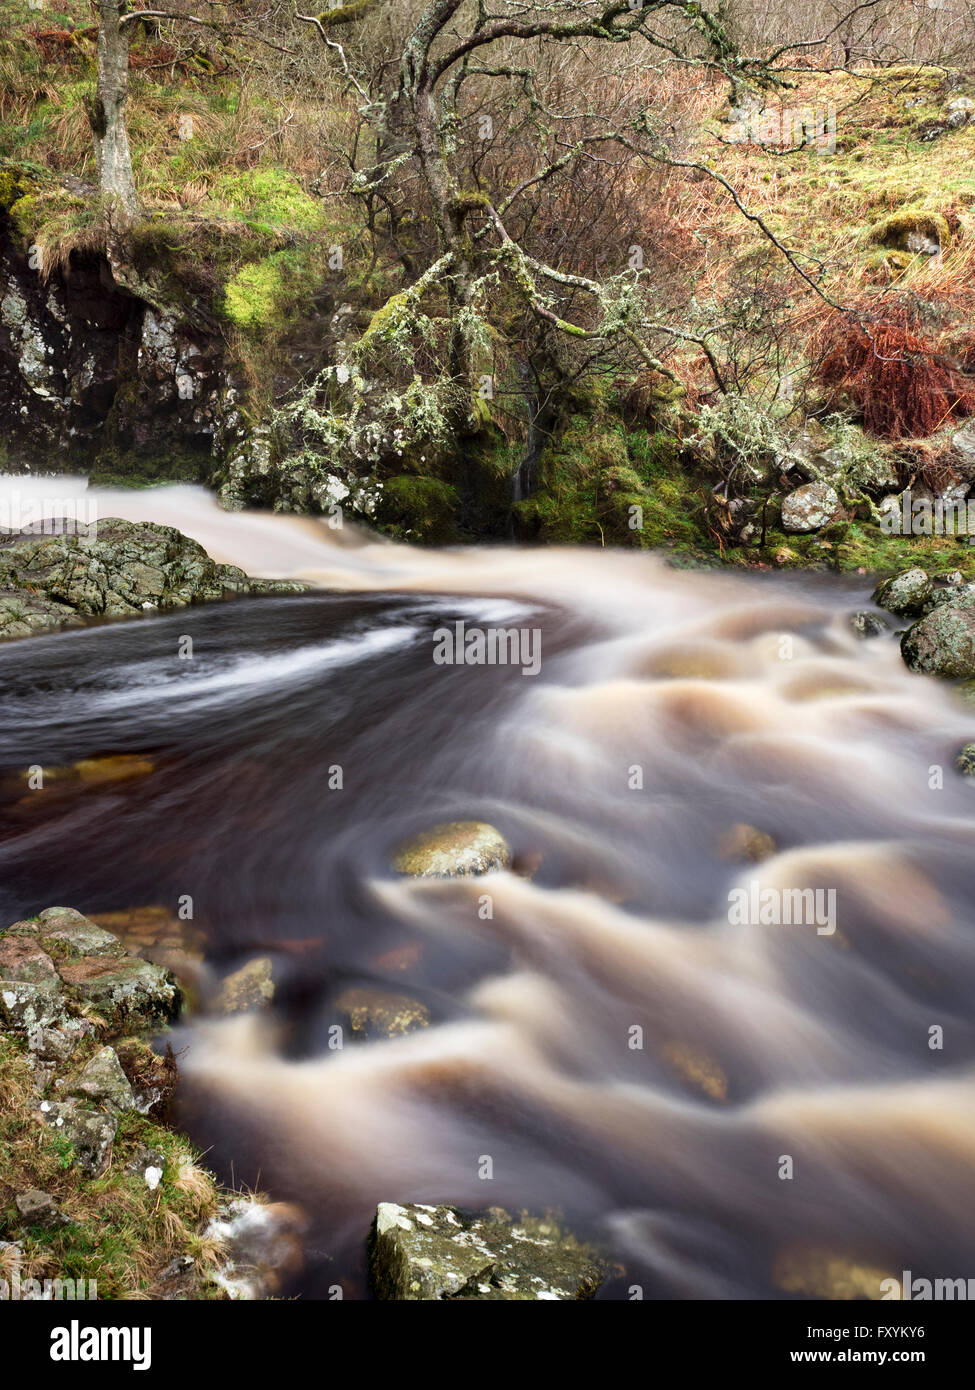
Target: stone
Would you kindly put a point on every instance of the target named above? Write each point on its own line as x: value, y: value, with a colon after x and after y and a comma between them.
x: 942, y: 643
x: 377, y: 1013
x: 103, y: 1081
x: 809, y: 508
x: 454, y: 850
x: 965, y: 761
x: 39, y: 1209
x: 697, y: 1068
x: 21, y: 958
x: 905, y: 594
x: 866, y: 624
x: 963, y: 451
x: 52, y: 1044
x: 24, y: 1007
x: 827, y: 1274
x: 746, y: 842
x: 131, y: 995
x: 90, y: 1132
x: 250, y: 987
x: 72, y: 936
x: 422, y: 1252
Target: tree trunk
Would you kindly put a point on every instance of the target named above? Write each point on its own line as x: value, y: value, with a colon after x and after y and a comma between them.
x: 112, y: 157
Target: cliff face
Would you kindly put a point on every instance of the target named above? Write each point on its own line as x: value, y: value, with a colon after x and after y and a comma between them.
x: 96, y: 378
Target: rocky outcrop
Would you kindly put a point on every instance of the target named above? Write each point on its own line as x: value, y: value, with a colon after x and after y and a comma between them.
x: 61, y: 964
x: 421, y: 1252
x: 85, y: 1138
x: 90, y: 372
x: 111, y: 569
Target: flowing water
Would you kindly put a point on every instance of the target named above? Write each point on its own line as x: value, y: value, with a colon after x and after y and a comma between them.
x: 614, y: 1039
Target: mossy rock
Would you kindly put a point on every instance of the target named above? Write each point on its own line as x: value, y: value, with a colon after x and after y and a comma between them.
x: 895, y: 230
x: 15, y: 183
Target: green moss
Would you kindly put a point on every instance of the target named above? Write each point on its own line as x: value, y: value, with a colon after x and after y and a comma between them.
x: 894, y: 230
x: 419, y: 509
x: 268, y: 197
x: 15, y: 184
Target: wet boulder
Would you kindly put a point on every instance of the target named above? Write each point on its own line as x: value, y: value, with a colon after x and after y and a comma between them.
x: 454, y: 850
x: 422, y: 1252
x: 378, y: 1013
x: 250, y: 987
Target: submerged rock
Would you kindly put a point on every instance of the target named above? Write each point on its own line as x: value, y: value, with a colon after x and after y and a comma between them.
x: 866, y: 624
x: 250, y: 987
x: 378, y: 1013
x: 905, y: 594
x: 697, y: 1069
x: 746, y: 842
x: 452, y: 850
x: 827, y: 1274
x: 422, y: 1252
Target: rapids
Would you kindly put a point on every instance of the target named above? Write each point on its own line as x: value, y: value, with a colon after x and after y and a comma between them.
x: 732, y: 699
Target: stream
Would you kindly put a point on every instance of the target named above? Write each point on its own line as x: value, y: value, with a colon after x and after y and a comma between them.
x: 613, y: 1037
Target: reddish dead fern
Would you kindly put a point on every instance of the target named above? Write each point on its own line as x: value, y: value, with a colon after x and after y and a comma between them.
x: 887, y: 363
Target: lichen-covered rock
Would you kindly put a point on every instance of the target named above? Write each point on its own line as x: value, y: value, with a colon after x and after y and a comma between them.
x: 24, y: 1007
x: 131, y: 995
x: 113, y: 569
x: 453, y: 850
x: 810, y: 508
x: 71, y: 935
x: 91, y: 1133
x: 942, y: 643
x: 421, y: 1252
x: 378, y: 1013
x: 250, y: 987
x: 905, y: 594
x: 37, y: 1208
x: 103, y: 1081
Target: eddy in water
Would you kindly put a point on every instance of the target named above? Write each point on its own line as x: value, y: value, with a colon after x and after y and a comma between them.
x: 693, y: 967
